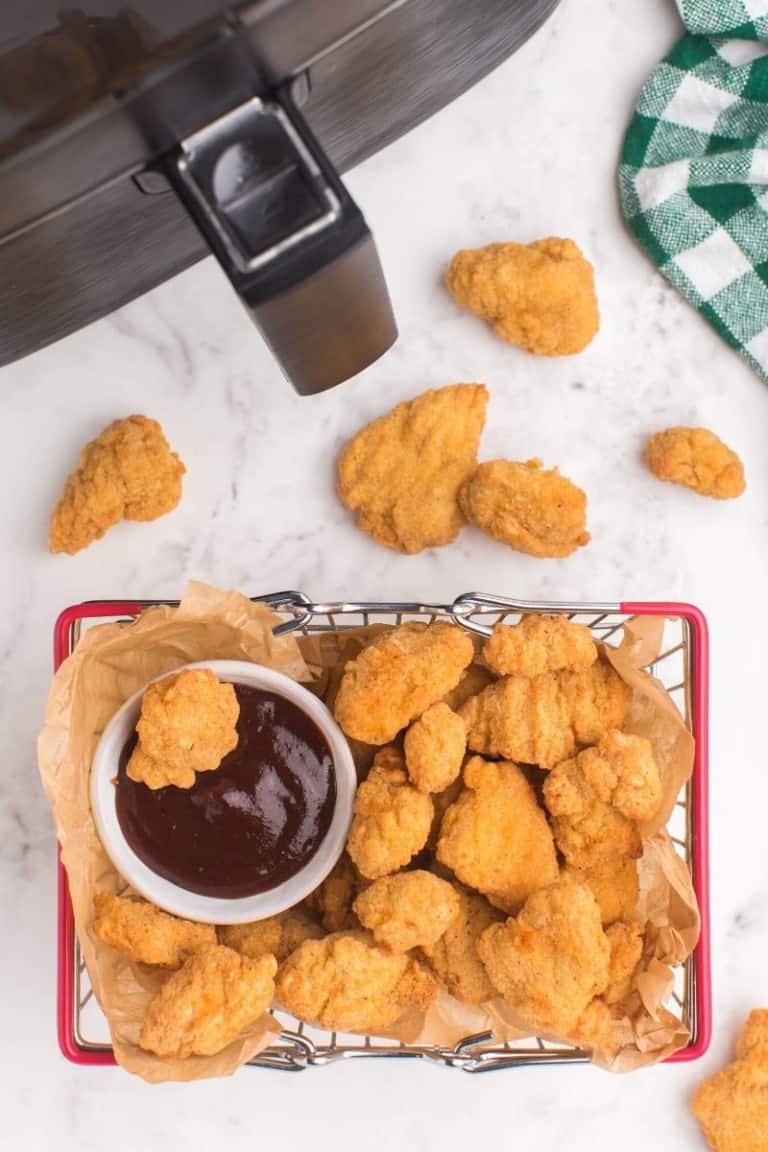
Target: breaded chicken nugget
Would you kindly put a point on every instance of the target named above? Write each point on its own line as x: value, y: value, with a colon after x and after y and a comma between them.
x: 406, y: 911
x: 539, y: 644
x: 398, y: 676
x: 531, y: 508
x: 697, y: 459
x: 207, y: 1003
x: 615, y: 885
x: 471, y: 684
x: 434, y: 748
x: 753, y: 1040
x: 597, y: 798
x: 626, y: 940
x: 551, y: 961
x: 188, y: 724
x: 128, y: 473
x: 346, y: 983
x: 454, y: 956
x: 732, y: 1105
x: 522, y: 719
x: 391, y: 820
x: 331, y: 903
x: 402, y: 473
x: 277, y: 936
x: 539, y: 296
x: 496, y: 837
x: 598, y: 700
x: 145, y: 934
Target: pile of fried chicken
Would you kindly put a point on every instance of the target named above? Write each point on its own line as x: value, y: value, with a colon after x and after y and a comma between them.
x: 492, y: 852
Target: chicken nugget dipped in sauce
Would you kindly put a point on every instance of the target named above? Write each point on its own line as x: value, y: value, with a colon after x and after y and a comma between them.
x: 188, y: 724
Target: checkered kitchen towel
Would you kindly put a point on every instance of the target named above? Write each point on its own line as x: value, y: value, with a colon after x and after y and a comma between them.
x: 694, y: 169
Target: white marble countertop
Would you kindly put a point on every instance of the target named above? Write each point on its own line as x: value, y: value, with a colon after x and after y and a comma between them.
x: 529, y: 152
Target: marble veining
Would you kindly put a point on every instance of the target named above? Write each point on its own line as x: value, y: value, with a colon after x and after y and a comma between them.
x: 531, y: 151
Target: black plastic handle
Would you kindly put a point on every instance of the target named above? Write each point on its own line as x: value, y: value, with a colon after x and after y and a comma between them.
x: 290, y: 238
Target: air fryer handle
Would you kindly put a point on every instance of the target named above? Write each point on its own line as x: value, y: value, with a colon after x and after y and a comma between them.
x: 290, y: 238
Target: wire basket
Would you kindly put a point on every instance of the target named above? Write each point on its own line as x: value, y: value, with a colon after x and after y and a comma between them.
x: 682, y: 667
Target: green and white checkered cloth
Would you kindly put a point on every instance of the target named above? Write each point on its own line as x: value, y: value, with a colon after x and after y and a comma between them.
x: 694, y: 169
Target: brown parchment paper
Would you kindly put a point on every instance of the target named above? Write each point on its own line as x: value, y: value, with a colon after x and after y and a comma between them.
x: 111, y: 662
x: 114, y: 661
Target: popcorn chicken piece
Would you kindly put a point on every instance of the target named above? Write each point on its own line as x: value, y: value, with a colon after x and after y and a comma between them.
x: 410, y: 910
x: 332, y: 901
x: 454, y: 956
x: 398, y: 676
x: 434, y: 748
x: 206, y: 1004
x: 188, y: 724
x: 496, y: 837
x: 539, y: 296
x: 346, y: 983
x: 539, y: 644
x: 732, y: 1105
x: 145, y: 934
x: 531, y: 508
x: 528, y: 720
x: 551, y: 962
x: 597, y: 699
x: 401, y: 474
x: 597, y: 798
x: 615, y: 885
x: 391, y: 820
x: 626, y: 940
x: 697, y: 459
x: 127, y: 473
x: 276, y: 936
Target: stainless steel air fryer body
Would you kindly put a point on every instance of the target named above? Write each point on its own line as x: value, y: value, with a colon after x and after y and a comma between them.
x: 135, y: 140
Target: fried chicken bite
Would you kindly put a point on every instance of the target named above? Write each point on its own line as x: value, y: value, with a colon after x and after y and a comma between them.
x: 539, y: 644
x: 626, y: 940
x: 454, y: 957
x: 188, y: 724
x: 346, y: 983
x: 127, y: 473
x: 332, y: 901
x: 597, y: 700
x: 597, y: 798
x: 401, y: 474
x: 410, y: 910
x: 434, y: 748
x: 538, y: 296
x: 531, y: 508
x: 551, y: 962
x: 145, y: 934
x: 528, y: 720
x: 206, y: 1004
x: 697, y: 459
x: 398, y: 676
x: 391, y: 820
x: 496, y: 838
x: 277, y: 936
x: 471, y: 684
x: 732, y: 1105
x: 615, y: 885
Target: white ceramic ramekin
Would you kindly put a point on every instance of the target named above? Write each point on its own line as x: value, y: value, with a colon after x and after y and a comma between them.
x: 192, y: 905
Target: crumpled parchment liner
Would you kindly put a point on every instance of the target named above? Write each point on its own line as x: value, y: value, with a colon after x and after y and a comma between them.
x: 111, y: 662
x: 114, y: 661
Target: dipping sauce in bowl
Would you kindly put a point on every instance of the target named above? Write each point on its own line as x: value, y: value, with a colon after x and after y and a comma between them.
x: 251, y: 824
